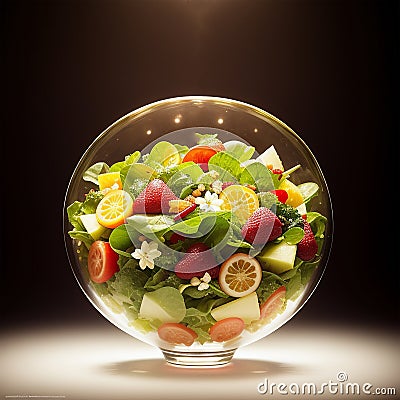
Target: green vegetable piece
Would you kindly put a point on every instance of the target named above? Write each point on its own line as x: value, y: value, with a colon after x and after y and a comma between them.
x: 239, y: 150
x: 74, y: 210
x: 150, y: 224
x: 308, y: 190
x: 91, y: 202
x: 259, y: 175
x: 268, y: 200
x: 165, y: 305
x: 293, y: 235
x: 226, y: 165
x: 129, y: 160
x: 207, y: 139
x: 120, y: 240
x: 182, y: 150
x: 163, y: 153
x: 289, y: 216
x: 279, y: 257
x: 92, y: 173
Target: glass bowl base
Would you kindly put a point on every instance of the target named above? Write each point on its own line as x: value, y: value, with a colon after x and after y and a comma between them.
x: 198, y: 359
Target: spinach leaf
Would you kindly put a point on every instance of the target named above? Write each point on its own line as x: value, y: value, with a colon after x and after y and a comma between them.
x: 226, y: 165
x: 259, y: 175
x: 120, y: 240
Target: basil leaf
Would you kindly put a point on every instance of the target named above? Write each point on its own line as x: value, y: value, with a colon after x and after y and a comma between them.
x: 293, y: 235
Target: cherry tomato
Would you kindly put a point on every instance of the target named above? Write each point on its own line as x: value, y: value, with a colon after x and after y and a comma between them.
x: 281, y: 194
x: 199, y: 154
x: 274, y: 303
x: 102, y: 261
x: 176, y: 333
x: 226, y: 329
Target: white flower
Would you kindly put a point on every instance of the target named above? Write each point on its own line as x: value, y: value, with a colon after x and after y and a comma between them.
x: 214, y: 174
x: 146, y: 254
x: 217, y: 186
x: 202, y: 283
x: 210, y: 202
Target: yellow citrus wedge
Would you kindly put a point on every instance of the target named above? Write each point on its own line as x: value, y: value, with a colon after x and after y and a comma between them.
x: 114, y: 208
x: 240, y: 275
x: 295, y: 197
x: 176, y: 206
x: 110, y: 180
x: 241, y: 200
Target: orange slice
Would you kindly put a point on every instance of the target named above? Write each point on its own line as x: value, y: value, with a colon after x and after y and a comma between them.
x: 240, y: 275
x: 176, y: 206
x: 110, y: 180
x: 114, y: 208
x: 241, y: 200
x: 295, y: 198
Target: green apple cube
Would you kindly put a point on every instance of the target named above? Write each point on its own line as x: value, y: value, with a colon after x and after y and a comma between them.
x: 93, y: 228
x: 163, y: 305
x: 246, y: 308
x: 270, y: 157
x: 278, y: 258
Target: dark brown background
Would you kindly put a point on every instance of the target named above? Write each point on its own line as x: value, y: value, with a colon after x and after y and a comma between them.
x: 329, y: 69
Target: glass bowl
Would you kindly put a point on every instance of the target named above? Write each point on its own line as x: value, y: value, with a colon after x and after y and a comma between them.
x: 194, y: 338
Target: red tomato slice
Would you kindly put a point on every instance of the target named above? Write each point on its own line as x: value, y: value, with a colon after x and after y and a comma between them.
x: 199, y: 154
x: 175, y: 333
x: 226, y: 329
x: 102, y: 261
x: 185, y: 212
x: 274, y: 303
x: 281, y: 194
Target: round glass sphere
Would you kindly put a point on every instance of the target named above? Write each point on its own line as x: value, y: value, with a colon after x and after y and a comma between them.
x: 184, y: 224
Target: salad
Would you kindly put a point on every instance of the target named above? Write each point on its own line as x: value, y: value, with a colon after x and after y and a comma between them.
x: 197, y: 244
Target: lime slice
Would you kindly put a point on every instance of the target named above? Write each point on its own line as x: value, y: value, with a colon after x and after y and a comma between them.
x: 164, y: 153
x: 308, y: 190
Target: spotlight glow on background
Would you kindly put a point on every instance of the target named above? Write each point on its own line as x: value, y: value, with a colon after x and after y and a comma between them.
x: 104, y: 363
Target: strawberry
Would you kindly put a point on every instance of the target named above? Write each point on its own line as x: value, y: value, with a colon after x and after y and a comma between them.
x: 176, y: 237
x: 262, y: 226
x: 196, y: 262
x: 307, y: 248
x: 154, y: 199
x: 226, y: 184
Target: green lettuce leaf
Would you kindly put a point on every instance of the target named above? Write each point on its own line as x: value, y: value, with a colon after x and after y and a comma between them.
x: 92, y: 173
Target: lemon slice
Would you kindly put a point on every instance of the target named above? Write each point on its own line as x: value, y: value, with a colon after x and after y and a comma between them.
x: 114, y: 208
x: 240, y: 275
x: 241, y: 200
